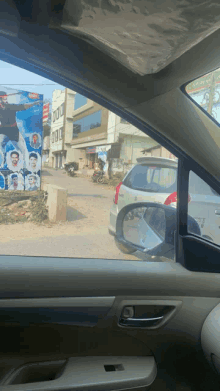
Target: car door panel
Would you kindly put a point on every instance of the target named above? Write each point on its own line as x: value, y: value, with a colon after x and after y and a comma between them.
x: 67, y: 277
x: 91, y: 284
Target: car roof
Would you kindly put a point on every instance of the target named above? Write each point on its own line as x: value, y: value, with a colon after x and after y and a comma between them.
x: 157, y: 161
x: 35, y: 36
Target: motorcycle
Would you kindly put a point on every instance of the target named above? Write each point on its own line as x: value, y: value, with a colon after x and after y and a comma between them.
x: 98, y: 176
x: 71, y: 168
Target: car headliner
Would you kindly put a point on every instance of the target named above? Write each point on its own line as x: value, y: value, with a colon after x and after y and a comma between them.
x: 37, y: 44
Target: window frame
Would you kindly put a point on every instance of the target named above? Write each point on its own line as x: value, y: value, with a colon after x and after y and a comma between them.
x: 207, y: 252
x: 82, y: 119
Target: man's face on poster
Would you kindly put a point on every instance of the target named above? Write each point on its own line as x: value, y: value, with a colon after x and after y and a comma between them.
x: 35, y: 137
x: 33, y: 162
x: 31, y: 181
x: 14, y: 159
x: 5, y: 99
x: 15, y: 180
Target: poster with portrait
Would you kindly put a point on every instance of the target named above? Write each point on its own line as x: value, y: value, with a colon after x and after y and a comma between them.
x: 21, y: 135
x: 15, y: 181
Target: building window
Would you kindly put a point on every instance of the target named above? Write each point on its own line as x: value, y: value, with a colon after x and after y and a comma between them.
x: 62, y: 110
x: 123, y: 121
x: 59, y: 112
x: 60, y: 133
x: 56, y: 135
x: 52, y: 137
x: 91, y: 121
x: 80, y: 101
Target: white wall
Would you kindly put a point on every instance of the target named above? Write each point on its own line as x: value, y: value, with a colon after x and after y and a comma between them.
x: 133, y: 146
x: 57, y: 100
x: 111, y: 130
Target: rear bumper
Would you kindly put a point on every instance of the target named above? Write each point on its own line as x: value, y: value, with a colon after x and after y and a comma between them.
x: 113, y: 220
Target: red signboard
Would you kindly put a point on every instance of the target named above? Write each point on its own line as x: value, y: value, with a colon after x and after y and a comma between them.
x: 91, y: 150
x: 46, y: 110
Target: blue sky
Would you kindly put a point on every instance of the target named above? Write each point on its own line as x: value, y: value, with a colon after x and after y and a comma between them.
x: 11, y: 75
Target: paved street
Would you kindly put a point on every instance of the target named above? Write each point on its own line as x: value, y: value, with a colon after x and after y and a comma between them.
x: 84, y: 235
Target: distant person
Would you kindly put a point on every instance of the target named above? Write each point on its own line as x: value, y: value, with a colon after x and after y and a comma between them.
x: 101, y: 164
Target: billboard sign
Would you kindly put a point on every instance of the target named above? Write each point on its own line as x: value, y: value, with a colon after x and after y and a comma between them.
x: 21, y: 135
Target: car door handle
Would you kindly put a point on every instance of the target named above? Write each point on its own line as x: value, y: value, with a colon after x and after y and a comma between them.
x: 133, y: 322
x: 217, y: 212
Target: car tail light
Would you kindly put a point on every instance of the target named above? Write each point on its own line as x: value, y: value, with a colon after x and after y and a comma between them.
x: 172, y: 199
x: 117, y: 192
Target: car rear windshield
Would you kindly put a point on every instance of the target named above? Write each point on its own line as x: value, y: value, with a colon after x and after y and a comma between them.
x: 152, y: 179
x: 162, y: 180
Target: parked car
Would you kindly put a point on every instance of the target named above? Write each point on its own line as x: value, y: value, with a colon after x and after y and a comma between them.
x: 154, y: 179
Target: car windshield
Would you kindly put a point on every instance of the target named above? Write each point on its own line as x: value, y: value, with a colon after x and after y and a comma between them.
x: 152, y: 179
x: 63, y: 158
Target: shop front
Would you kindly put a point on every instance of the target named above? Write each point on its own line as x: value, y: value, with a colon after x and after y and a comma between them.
x: 91, y: 157
x: 59, y: 159
x: 97, y: 156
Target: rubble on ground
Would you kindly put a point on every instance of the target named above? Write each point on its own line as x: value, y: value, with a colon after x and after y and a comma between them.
x: 22, y: 206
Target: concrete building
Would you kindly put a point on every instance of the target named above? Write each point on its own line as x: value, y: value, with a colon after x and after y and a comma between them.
x: 127, y: 142
x: 89, y: 132
x: 61, y: 127
x: 85, y: 132
x: 98, y: 133
x: 45, y: 150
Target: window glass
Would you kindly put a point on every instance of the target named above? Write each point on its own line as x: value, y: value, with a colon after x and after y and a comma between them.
x: 77, y: 127
x: 156, y: 176
x: 91, y: 121
x: 62, y: 109
x: 204, y: 207
x: 205, y: 91
x: 112, y: 165
x: 80, y: 101
x: 144, y: 178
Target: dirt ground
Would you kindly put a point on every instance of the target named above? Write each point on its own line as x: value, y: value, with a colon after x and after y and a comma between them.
x: 84, y: 235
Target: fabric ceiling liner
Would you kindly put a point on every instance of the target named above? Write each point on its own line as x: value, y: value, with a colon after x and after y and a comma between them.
x: 143, y: 35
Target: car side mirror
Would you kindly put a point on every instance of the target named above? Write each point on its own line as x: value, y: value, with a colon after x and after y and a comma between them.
x: 149, y: 228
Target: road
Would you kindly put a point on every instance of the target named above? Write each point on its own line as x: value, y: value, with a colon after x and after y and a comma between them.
x: 84, y: 235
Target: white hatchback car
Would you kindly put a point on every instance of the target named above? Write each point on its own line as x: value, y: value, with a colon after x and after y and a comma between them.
x: 154, y: 179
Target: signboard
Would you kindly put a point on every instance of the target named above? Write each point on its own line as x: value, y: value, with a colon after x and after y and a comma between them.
x: 203, y: 82
x: 46, y: 109
x: 103, y: 148
x: 21, y: 131
x: 91, y: 150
